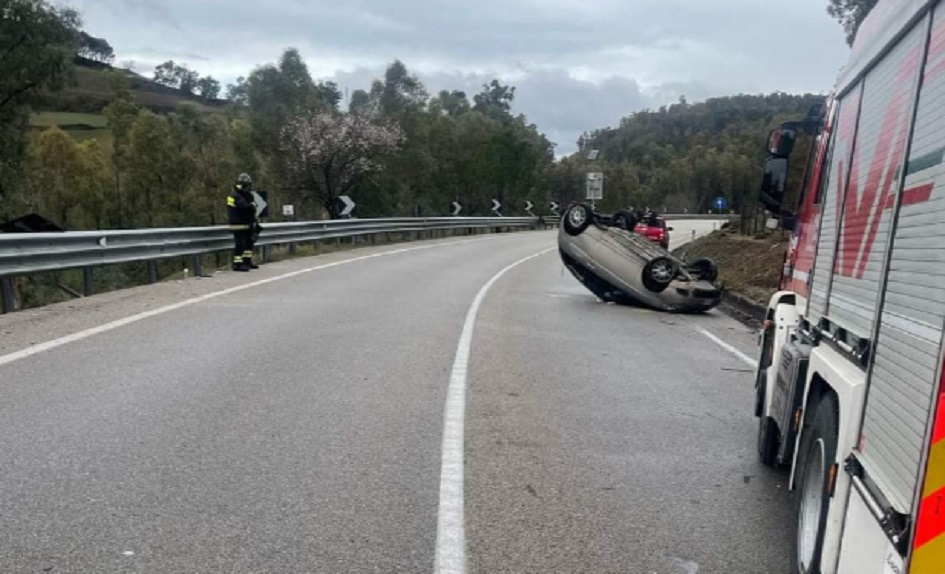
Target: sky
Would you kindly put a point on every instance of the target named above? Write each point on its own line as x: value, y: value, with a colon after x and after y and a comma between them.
x: 577, y: 65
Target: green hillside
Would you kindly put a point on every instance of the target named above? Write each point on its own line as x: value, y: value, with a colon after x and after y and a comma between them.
x: 90, y: 91
x: 77, y: 109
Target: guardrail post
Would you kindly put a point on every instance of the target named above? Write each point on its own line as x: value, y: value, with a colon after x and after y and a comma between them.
x: 198, y: 266
x: 87, y: 287
x: 152, y: 272
x: 266, y: 253
x: 6, y: 294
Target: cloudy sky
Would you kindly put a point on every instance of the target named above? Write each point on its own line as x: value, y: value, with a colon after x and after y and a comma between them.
x: 577, y: 64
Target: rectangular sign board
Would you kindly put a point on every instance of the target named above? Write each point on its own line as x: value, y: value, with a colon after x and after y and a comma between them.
x: 595, y: 185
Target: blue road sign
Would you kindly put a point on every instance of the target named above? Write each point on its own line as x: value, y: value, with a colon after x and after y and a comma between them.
x: 720, y: 203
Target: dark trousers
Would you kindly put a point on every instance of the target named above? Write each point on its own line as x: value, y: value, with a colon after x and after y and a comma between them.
x: 242, y: 246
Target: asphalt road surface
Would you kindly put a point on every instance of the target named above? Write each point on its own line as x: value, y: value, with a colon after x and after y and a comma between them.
x: 296, y: 425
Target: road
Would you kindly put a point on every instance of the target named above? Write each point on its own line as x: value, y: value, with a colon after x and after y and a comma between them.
x: 295, y: 424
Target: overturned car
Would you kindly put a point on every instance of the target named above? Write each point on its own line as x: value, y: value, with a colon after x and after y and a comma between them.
x: 617, y: 264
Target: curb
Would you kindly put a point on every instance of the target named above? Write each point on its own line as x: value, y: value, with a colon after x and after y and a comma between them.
x: 743, y: 309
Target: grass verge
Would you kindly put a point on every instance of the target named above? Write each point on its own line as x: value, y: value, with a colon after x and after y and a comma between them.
x: 748, y: 266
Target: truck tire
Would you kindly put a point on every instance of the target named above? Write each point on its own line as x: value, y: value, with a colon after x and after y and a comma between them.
x: 706, y: 269
x: 576, y: 219
x: 659, y: 273
x: 812, y: 494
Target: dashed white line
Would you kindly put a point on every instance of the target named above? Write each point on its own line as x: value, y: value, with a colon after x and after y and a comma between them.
x: 745, y: 358
x: 450, y: 528
x: 78, y: 336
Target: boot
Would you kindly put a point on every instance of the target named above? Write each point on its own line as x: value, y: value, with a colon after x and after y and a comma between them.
x: 249, y: 263
x: 241, y: 267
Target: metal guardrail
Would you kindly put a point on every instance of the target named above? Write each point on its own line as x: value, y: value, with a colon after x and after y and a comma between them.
x: 26, y: 253
x: 29, y: 253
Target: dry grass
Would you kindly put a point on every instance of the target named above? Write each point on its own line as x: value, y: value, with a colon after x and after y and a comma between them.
x: 747, y: 265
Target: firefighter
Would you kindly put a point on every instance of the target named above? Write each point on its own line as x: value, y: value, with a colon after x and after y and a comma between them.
x: 241, y: 209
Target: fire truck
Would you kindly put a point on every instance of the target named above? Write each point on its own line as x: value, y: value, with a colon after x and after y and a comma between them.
x: 849, y: 383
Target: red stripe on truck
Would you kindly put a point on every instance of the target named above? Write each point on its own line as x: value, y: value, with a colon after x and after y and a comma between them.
x: 931, y: 522
x: 938, y: 432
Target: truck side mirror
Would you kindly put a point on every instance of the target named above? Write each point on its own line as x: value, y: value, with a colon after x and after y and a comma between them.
x: 781, y: 142
x: 773, y: 183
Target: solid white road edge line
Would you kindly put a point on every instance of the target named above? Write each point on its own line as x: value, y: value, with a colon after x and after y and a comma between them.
x: 78, y: 336
x: 450, y: 524
x: 745, y: 358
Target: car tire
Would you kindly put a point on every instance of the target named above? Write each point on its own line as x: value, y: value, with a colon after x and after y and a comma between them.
x: 706, y: 269
x: 665, y: 245
x: 577, y: 219
x: 659, y: 273
x: 812, y: 494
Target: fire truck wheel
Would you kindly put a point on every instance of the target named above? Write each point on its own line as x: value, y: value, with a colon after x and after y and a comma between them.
x: 768, y: 437
x: 815, y: 474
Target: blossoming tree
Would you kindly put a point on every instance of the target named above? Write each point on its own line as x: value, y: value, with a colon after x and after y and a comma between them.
x: 329, y: 154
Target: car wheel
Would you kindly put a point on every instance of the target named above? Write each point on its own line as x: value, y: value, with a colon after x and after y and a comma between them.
x: 577, y: 219
x: 664, y: 245
x: 705, y: 268
x: 659, y: 273
x: 814, y: 481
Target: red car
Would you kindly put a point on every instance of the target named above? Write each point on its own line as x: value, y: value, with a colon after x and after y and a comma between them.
x: 655, y: 229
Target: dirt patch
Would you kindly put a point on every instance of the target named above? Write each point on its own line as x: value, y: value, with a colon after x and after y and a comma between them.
x: 747, y: 265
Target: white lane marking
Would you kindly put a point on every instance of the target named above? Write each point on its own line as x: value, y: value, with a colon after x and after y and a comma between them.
x: 745, y: 358
x: 49, y: 345
x: 450, y: 525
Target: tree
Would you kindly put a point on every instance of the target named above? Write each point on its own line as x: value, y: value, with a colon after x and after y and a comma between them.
x: 360, y: 102
x: 400, y: 94
x: 97, y: 49
x: 277, y: 94
x: 850, y: 14
x: 92, y: 184
x: 151, y: 163
x: 186, y: 79
x: 453, y: 103
x: 121, y: 114
x: 175, y: 75
x: 238, y: 92
x: 495, y: 100
x: 166, y: 74
x: 54, y: 166
x: 329, y: 93
x: 38, y: 41
x: 208, y: 88
x: 329, y: 154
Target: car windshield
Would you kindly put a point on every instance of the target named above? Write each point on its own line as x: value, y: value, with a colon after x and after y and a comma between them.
x: 388, y: 286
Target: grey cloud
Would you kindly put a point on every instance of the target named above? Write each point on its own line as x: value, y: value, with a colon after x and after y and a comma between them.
x: 617, y: 54
x: 562, y: 106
